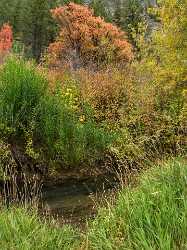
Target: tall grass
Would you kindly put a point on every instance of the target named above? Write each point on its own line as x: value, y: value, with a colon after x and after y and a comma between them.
x: 23, y: 230
x: 43, y: 121
x: 68, y: 139
x: 151, y: 216
x: 21, y: 89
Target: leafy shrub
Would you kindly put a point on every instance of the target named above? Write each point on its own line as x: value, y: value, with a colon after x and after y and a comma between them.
x: 155, y: 123
x: 109, y: 93
x: 86, y: 39
x: 6, y: 40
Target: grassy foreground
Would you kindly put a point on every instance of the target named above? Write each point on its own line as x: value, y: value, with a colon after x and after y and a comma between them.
x: 151, y: 216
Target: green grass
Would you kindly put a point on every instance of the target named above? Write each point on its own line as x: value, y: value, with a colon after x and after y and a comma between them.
x: 151, y: 216
x: 23, y: 230
x: 21, y: 91
x: 43, y: 121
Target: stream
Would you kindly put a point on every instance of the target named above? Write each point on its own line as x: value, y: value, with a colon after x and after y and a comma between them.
x: 75, y: 201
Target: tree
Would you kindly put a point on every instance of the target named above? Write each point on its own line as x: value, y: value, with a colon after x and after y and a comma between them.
x: 128, y: 14
x: 162, y: 72
x: 31, y: 22
x: 6, y: 39
x: 100, y: 9
x: 39, y: 28
x: 86, y: 39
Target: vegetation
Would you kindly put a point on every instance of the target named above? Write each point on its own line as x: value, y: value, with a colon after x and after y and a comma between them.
x: 34, y: 29
x: 93, y: 97
x: 101, y: 96
x: 6, y: 40
x: 149, y: 216
x: 21, y: 229
x: 86, y: 39
x: 47, y: 122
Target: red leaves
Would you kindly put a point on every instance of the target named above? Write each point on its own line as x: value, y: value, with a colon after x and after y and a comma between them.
x: 85, y: 38
x: 6, y: 38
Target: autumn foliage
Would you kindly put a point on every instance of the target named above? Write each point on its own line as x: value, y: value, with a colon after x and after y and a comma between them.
x: 6, y: 38
x: 86, y: 39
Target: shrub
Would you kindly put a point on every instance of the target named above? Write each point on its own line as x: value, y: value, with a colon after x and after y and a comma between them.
x: 86, y: 39
x: 6, y: 40
x: 108, y: 91
x: 72, y: 135
x: 156, y: 122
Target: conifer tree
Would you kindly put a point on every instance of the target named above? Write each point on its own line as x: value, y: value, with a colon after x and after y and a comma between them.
x: 128, y: 15
x: 100, y: 9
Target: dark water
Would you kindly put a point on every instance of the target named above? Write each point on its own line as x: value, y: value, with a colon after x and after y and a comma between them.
x: 75, y: 201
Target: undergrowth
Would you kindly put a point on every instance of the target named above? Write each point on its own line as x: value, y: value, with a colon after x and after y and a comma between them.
x: 48, y: 123
x: 152, y: 215
x: 20, y: 229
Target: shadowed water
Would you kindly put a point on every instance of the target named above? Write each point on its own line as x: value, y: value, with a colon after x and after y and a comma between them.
x: 75, y: 201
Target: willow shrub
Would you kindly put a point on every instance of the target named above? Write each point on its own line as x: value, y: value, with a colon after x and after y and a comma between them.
x: 52, y: 123
x: 155, y: 124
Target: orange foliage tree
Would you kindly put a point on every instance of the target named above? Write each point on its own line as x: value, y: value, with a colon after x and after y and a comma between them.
x: 86, y: 39
x: 6, y: 40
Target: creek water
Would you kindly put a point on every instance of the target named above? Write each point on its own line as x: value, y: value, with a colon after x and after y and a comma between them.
x: 75, y: 201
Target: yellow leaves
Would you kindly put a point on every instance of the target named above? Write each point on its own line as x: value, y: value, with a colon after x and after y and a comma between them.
x: 71, y: 98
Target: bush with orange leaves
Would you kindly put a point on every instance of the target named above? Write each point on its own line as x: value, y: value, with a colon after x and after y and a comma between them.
x: 85, y: 39
x: 6, y: 40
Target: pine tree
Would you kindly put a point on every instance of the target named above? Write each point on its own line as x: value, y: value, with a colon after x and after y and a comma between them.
x: 128, y: 14
x: 39, y: 28
x: 100, y: 9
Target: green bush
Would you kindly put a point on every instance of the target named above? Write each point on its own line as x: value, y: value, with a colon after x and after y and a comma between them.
x: 69, y: 132
x: 52, y: 124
